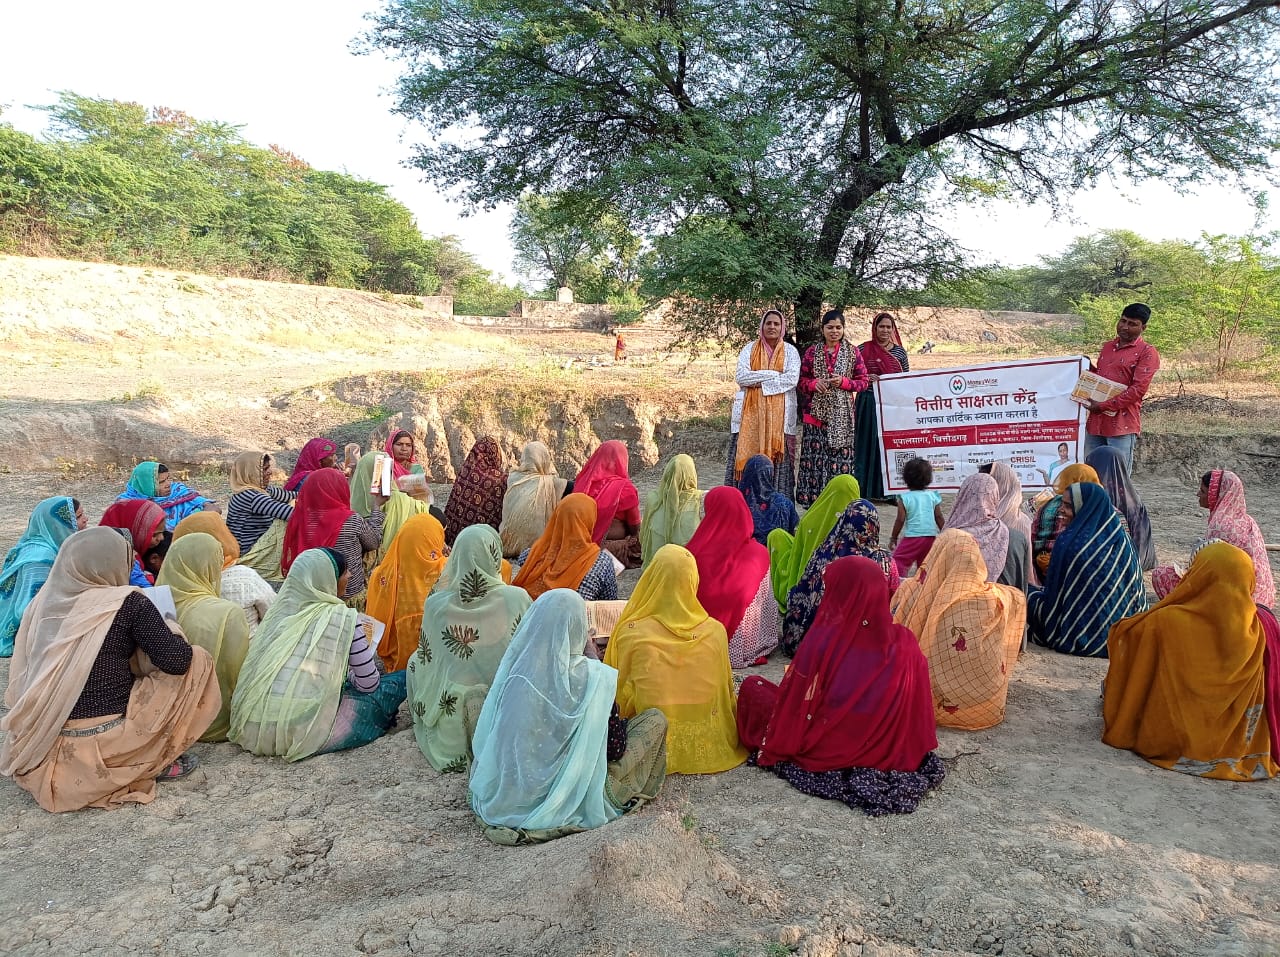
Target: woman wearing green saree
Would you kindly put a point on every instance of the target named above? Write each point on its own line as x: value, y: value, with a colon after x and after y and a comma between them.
x: 309, y: 684
x: 672, y: 511
x: 398, y: 510
x: 467, y: 623
x: 789, y: 554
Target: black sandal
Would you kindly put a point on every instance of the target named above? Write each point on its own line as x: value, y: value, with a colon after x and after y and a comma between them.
x: 180, y: 768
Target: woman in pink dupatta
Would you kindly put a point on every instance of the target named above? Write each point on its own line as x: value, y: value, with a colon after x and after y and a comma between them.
x: 403, y: 449
x: 604, y: 477
x: 318, y: 453
x: 1222, y: 493
x: 882, y: 354
x: 977, y: 505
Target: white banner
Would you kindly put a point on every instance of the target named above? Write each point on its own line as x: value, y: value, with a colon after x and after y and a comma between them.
x: 1020, y: 413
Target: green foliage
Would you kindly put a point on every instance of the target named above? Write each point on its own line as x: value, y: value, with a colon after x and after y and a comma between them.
x: 802, y: 152
x: 119, y: 182
x: 569, y: 243
x: 1219, y: 298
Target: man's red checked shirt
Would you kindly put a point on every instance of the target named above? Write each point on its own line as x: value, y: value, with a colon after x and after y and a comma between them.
x: 1133, y: 365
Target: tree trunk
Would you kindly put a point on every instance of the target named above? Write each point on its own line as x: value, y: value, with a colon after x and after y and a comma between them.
x: 808, y: 320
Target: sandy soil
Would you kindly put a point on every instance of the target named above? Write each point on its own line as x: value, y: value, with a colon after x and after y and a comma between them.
x: 1041, y: 840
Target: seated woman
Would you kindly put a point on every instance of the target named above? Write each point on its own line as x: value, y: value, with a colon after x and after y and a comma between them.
x: 1113, y: 473
x: 144, y: 521
x: 241, y: 585
x: 401, y: 583
x: 318, y: 453
x: 466, y: 625
x: 151, y: 481
x: 856, y: 532
x: 192, y: 570
x: 83, y: 729
x: 324, y: 518
x: 604, y: 477
x: 533, y: 491
x: 1193, y: 685
x: 309, y: 684
x: 1017, y: 563
x: 1222, y: 493
x: 672, y: 510
x: 673, y: 656
x: 974, y: 512
x: 1049, y: 522
x: 396, y: 510
x: 257, y: 512
x: 729, y: 559
x: 564, y: 556
x: 549, y: 760
x: 969, y: 629
x: 476, y: 498
x: 788, y: 554
x: 852, y: 720
x: 27, y: 565
x: 770, y: 509
x: 403, y: 449
x: 1093, y: 580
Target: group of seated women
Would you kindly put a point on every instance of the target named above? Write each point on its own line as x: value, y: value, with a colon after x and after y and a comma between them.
x: 382, y: 598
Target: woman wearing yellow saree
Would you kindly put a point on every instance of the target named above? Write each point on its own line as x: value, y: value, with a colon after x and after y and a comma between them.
x: 671, y: 655
x: 193, y: 570
x: 401, y: 583
x: 1193, y: 684
x: 466, y: 625
x: 240, y: 583
x: 672, y: 511
x: 969, y: 629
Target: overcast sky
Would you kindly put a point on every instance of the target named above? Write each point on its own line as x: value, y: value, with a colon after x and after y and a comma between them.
x: 283, y: 70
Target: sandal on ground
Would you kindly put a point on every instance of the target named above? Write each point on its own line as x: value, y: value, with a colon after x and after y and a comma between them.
x: 180, y: 768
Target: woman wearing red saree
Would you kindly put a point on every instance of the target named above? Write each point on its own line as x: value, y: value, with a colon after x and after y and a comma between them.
x: 605, y: 478
x: 883, y: 354
x: 853, y: 719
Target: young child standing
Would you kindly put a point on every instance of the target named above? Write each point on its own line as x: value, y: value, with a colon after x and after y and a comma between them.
x: 919, y: 517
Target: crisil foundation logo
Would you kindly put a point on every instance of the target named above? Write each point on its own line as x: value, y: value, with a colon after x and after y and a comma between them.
x: 956, y: 385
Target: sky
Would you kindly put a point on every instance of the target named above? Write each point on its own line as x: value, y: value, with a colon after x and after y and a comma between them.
x: 284, y: 71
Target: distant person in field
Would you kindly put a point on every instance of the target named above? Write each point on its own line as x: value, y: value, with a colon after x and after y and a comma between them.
x: 619, y: 348
x: 1133, y: 362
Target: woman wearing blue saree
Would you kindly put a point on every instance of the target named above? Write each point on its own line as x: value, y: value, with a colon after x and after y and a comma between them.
x: 770, y: 509
x: 1093, y: 580
x: 27, y: 565
x: 545, y: 765
x: 153, y: 481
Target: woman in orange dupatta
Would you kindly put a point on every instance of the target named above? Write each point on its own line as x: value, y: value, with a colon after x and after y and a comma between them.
x: 1193, y: 684
x: 969, y: 629
x: 399, y: 586
x: 564, y: 556
x: 763, y: 421
x: 673, y: 656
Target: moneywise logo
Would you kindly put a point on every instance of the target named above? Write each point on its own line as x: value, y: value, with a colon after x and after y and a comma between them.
x: 958, y: 384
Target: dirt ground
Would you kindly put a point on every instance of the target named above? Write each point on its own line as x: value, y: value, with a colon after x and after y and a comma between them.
x: 1041, y: 840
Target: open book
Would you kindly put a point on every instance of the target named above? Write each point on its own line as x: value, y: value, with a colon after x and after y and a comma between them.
x: 602, y: 616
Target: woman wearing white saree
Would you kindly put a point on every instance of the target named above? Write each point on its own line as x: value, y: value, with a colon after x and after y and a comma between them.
x: 467, y: 622
x: 542, y: 765
x: 309, y: 684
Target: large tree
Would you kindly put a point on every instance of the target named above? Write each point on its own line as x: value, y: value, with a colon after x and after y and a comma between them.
x: 797, y: 149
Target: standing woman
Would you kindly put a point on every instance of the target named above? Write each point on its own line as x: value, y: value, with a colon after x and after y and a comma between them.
x: 883, y: 355
x: 830, y: 373
x: 764, y: 410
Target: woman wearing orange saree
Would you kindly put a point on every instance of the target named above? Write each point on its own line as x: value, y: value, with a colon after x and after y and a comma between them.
x: 1194, y: 683
x: 673, y: 656
x: 969, y: 629
x: 399, y: 586
x: 763, y: 420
